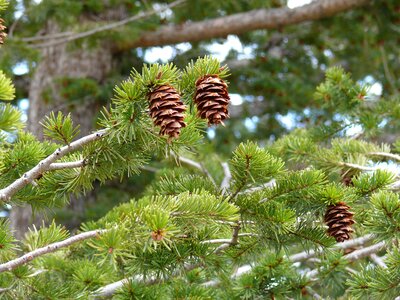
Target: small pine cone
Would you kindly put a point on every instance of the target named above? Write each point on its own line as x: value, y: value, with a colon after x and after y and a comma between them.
x: 339, y: 220
x: 2, y: 33
x: 212, y: 99
x: 167, y: 110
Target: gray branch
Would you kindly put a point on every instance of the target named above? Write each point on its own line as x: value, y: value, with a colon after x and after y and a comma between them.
x: 241, y: 22
x: 227, y: 178
x: 43, y: 166
x: 65, y: 38
x: 26, y: 258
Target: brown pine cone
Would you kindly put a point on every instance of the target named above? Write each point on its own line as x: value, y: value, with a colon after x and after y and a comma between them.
x: 339, y: 220
x: 167, y: 110
x: 212, y: 99
x: 2, y: 33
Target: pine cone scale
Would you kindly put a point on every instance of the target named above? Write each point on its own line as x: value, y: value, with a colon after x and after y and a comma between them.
x: 212, y: 99
x: 339, y: 219
x: 167, y: 110
x: 2, y: 33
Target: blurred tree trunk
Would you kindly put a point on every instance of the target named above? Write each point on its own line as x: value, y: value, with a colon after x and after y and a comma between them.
x: 60, y: 62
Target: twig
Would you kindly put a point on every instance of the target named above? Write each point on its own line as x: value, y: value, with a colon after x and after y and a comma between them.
x: 361, y: 253
x: 227, y: 178
x: 149, y: 169
x: 377, y: 260
x: 297, y: 257
x: 385, y: 154
x: 232, y: 242
x: 12, y: 264
x: 109, y: 290
x: 217, y: 241
x: 302, y: 256
x: 359, y: 167
x: 109, y: 26
x: 266, y: 185
x: 47, y: 36
x: 43, y: 166
x: 67, y: 165
x: 194, y: 164
x: 313, y: 293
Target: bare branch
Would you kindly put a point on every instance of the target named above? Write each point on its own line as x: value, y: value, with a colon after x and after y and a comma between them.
x: 377, y: 260
x: 194, y: 164
x: 267, y: 185
x: 67, y: 165
x: 110, y: 289
x: 241, y: 23
x: 216, y: 241
x: 232, y: 242
x: 227, y: 178
x: 43, y: 166
x: 26, y: 258
x: 298, y: 257
x: 47, y: 36
x: 73, y: 37
x: 385, y: 154
x: 355, y: 255
x: 361, y: 253
x: 302, y: 256
x: 359, y: 167
x: 313, y: 293
x: 217, y: 27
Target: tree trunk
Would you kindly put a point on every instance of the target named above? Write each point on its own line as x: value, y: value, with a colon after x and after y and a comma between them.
x: 60, y: 62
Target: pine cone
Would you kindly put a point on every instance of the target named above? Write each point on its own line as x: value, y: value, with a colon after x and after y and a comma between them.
x: 339, y: 220
x: 2, y: 33
x: 212, y: 99
x: 167, y: 110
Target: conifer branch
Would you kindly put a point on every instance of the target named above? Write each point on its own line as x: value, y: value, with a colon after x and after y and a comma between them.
x: 43, y: 166
x: 26, y: 258
x: 80, y: 35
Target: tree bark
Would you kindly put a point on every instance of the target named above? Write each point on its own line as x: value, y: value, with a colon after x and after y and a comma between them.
x: 58, y: 62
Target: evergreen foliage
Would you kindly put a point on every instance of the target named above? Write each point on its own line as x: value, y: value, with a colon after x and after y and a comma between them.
x: 190, y: 231
x: 241, y: 224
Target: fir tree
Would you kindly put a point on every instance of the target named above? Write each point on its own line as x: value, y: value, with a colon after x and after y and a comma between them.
x: 251, y: 227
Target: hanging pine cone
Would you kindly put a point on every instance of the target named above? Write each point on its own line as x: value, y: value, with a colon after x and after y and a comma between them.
x: 167, y: 110
x: 2, y: 33
x: 212, y: 99
x: 339, y: 220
